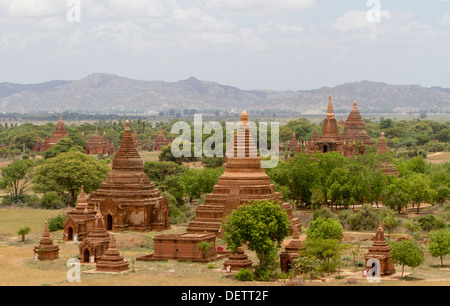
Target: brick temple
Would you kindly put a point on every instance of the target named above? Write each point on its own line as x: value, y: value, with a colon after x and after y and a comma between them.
x: 97, y: 241
x: 79, y: 221
x: 59, y: 134
x: 243, y: 181
x: 353, y: 141
x: 128, y: 199
x: 99, y: 145
x: 160, y: 141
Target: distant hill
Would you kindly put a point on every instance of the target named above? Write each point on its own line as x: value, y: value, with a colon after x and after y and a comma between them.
x: 106, y: 93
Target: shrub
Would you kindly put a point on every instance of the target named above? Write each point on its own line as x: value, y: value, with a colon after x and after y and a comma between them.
x: 325, y: 229
x: 56, y: 223
x: 23, y: 232
x: 244, y: 275
x: 412, y: 226
x: 52, y: 200
x: 324, y: 213
x: 430, y: 222
x: 364, y: 220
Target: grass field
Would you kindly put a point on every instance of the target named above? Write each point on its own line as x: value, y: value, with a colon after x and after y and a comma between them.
x: 17, y: 266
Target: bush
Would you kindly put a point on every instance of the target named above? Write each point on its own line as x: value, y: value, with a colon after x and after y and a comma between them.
x: 56, y: 223
x: 343, y: 216
x: 52, y: 200
x: 430, y: 222
x: 412, y: 226
x: 364, y: 220
x: 325, y: 229
x: 244, y: 275
x: 20, y: 199
x: 324, y: 213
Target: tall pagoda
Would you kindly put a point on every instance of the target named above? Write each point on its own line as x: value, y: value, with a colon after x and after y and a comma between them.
x: 129, y: 200
x: 243, y: 181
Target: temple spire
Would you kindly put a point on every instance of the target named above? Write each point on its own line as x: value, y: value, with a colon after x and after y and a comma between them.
x: 244, y: 117
x: 330, y: 110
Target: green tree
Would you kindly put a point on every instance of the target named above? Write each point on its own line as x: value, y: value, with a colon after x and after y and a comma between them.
x: 439, y: 244
x: 67, y: 172
x: 64, y: 145
x: 325, y: 229
x: 16, y: 177
x: 327, y: 251
x: 389, y: 220
x: 262, y: 226
x: 407, y: 253
x: 420, y: 190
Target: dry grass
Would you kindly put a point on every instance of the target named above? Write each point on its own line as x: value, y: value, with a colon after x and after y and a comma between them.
x: 438, y: 158
x: 17, y: 266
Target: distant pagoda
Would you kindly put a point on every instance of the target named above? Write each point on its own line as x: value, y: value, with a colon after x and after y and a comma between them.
x: 59, y: 134
x: 355, y: 128
x: 99, y: 145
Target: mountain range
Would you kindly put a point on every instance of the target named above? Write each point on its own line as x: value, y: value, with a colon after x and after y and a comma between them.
x: 106, y: 93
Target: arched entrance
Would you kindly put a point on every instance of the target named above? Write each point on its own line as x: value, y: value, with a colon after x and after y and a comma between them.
x: 86, y: 255
x: 70, y: 234
x: 109, y: 223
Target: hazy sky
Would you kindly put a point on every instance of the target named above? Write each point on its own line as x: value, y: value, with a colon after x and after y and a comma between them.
x: 250, y: 44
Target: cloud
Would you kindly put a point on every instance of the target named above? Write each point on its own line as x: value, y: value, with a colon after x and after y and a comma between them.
x: 257, y: 7
x: 357, y: 19
x: 445, y: 21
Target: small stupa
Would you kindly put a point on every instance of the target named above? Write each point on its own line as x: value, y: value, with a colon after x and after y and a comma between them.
x: 46, y: 250
x: 380, y: 250
x: 290, y: 252
x: 330, y: 141
x: 111, y: 261
x: 237, y: 261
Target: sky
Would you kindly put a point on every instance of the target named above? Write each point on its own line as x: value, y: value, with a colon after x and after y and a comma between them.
x: 249, y: 44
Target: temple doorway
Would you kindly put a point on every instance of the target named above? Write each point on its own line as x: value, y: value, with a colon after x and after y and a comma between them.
x: 86, y: 256
x: 109, y: 223
x: 70, y: 234
x: 325, y: 149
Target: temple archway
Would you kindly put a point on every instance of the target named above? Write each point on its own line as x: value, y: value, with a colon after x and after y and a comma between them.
x: 109, y: 223
x: 325, y: 149
x: 86, y: 255
x: 70, y: 234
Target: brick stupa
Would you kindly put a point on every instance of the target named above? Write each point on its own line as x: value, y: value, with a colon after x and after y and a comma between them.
x: 293, y: 143
x: 129, y: 200
x: 330, y: 141
x: 290, y: 252
x: 381, y: 250
x: 111, y: 261
x: 79, y: 221
x: 238, y: 261
x: 355, y: 128
x: 387, y: 167
x: 97, y: 241
x: 99, y: 145
x: 46, y: 250
x: 243, y: 181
